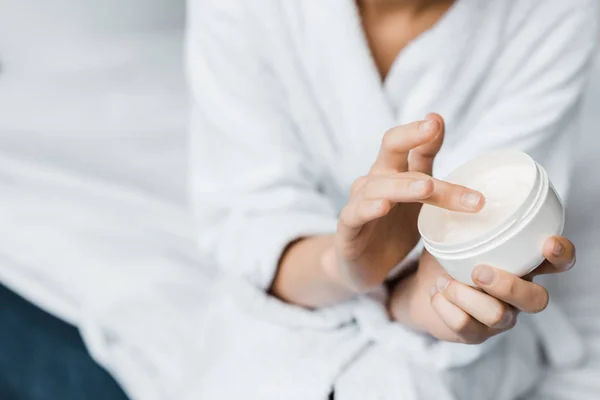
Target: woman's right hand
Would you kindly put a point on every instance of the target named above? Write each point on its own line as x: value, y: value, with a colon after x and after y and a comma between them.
x: 378, y: 226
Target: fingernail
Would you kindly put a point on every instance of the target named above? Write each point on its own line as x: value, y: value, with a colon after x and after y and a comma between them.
x: 558, y: 249
x: 418, y: 186
x: 427, y: 127
x: 484, y: 275
x: 505, y: 321
x: 442, y: 283
x: 432, y: 291
x: 470, y: 199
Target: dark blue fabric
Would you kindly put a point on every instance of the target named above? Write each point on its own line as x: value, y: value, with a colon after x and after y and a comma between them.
x: 43, y: 358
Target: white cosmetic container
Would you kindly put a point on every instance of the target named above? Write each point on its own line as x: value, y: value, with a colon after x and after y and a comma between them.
x: 521, y: 211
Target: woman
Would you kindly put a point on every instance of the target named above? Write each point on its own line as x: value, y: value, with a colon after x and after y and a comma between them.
x: 295, y: 104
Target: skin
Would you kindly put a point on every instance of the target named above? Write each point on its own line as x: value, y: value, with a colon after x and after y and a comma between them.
x: 377, y: 229
x: 431, y: 301
x: 390, y: 25
x: 378, y: 226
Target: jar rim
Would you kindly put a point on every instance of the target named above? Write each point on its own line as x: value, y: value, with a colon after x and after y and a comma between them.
x: 535, y: 193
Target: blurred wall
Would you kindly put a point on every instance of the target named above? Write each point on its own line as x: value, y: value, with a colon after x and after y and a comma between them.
x: 96, y: 87
x: 42, y: 34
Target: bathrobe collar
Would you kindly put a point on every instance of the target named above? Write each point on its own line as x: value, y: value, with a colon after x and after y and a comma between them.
x: 357, y: 107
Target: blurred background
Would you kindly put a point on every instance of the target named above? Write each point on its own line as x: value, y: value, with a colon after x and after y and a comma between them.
x: 93, y: 160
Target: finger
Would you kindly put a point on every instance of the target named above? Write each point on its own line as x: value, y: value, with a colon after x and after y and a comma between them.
x: 520, y: 293
x: 560, y: 253
x: 358, y: 213
x: 455, y: 197
x: 560, y: 257
x: 358, y: 184
x: 417, y: 187
x: 399, y: 141
x: 465, y: 327
x: 421, y: 158
x: 481, y: 306
x: 398, y: 188
x: 375, y: 197
x: 545, y: 268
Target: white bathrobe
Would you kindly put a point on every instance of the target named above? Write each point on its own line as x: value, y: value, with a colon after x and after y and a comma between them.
x: 94, y: 226
x: 288, y: 109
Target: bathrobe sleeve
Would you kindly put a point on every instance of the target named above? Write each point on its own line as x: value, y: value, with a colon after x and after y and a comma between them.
x: 533, y: 92
x: 253, y: 189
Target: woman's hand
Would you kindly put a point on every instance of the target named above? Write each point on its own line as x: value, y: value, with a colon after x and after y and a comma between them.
x: 433, y: 302
x: 378, y: 226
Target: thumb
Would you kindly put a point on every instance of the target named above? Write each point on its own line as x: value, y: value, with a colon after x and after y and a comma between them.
x: 421, y: 158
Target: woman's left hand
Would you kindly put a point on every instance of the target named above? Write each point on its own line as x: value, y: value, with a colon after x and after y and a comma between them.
x: 452, y: 311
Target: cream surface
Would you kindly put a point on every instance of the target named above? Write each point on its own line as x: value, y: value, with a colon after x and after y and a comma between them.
x: 505, y: 188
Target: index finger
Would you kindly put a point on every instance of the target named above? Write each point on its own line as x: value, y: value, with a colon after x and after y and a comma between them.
x: 399, y: 141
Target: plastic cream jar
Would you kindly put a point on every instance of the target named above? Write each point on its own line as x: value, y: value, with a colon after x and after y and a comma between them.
x: 521, y: 211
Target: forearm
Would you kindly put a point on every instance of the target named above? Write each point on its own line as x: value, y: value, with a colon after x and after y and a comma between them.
x: 302, y: 279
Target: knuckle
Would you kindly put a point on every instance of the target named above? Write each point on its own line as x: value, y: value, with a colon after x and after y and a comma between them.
x: 447, y: 194
x: 358, y: 184
x: 369, y: 188
x: 362, y: 212
x: 345, y: 216
x: 508, y: 285
x: 452, y: 291
x: 388, y: 140
x: 400, y: 185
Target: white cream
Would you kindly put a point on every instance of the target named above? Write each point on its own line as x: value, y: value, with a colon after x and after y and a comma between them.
x: 522, y: 210
x: 505, y: 188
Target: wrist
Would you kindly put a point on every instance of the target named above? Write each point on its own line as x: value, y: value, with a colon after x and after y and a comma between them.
x: 337, y: 273
x: 401, y: 300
